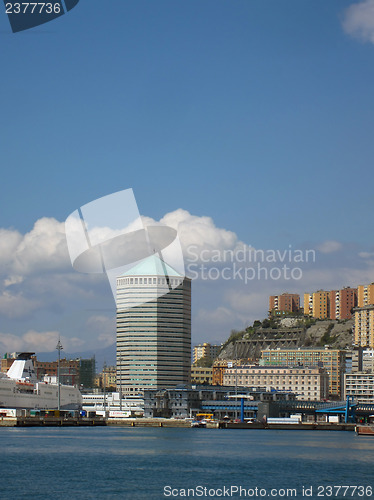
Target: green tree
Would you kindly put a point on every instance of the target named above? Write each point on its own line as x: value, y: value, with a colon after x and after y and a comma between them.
x: 205, y: 362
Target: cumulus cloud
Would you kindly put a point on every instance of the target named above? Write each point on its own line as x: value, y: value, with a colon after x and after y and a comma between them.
x: 358, y: 20
x: 33, y: 340
x: 9, y: 241
x: 329, y: 246
x: 199, y: 231
x: 17, y: 305
x: 43, y: 248
x: 36, y: 276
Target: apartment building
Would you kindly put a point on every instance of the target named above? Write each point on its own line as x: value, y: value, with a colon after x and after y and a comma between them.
x: 201, y: 375
x: 360, y: 386
x: 332, y: 360
x: 205, y: 350
x: 332, y: 304
x: 365, y: 295
x: 286, y: 302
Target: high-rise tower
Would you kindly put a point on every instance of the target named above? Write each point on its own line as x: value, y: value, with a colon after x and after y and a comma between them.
x: 153, y: 327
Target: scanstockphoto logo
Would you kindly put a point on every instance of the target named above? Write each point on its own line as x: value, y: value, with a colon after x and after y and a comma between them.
x: 109, y: 236
x: 247, y: 264
x: 25, y: 15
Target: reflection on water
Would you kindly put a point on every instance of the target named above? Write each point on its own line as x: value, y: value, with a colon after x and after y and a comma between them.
x: 136, y: 463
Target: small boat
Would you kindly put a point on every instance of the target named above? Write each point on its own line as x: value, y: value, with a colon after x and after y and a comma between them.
x: 364, y: 430
x: 198, y: 423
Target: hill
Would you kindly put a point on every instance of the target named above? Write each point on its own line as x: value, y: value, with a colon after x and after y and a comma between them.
x: 289, y: 332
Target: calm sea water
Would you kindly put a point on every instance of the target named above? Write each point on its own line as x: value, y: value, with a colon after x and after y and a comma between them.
x: 137, y: 463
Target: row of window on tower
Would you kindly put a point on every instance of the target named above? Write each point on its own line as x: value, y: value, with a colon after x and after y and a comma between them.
x: 149, y: 281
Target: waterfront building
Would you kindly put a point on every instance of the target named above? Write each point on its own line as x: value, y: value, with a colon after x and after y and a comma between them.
x: 205, y: 350
x: 309, y: 383
x: 107, y: 402
x: 360, y: 386
x: 286, y: 302
x: 187, y: 401
x: 153, y: 327
x: 333, y: 360
x: 257, y: 404
x: 201, y: 375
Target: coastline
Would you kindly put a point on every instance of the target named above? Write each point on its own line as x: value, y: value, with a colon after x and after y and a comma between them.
x: 164, y: 423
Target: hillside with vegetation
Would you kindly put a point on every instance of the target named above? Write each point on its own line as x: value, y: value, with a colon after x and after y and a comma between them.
x: 287, y: 332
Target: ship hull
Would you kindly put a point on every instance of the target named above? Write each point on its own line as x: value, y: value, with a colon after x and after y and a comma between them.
x: 38, y: 396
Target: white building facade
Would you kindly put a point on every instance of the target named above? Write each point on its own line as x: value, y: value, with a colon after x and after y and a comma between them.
x: 308, y: 383
x: 153, y: 327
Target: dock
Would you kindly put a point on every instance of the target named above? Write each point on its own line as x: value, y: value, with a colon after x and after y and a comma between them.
x: 51, y: 421
x: 302, y: 426
x: 63, y: 421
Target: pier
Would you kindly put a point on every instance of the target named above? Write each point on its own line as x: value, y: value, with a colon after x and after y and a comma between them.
x: 51, y: 421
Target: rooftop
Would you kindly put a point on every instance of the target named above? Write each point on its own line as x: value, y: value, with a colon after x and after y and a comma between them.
x: 152, y: 266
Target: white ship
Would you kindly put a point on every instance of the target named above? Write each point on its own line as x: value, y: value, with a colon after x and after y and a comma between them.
x: 19, y: 388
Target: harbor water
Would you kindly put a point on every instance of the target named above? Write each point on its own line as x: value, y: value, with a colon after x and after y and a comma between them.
x: 156, y: 463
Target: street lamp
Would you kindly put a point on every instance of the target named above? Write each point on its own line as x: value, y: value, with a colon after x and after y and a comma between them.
x: 59, y: 349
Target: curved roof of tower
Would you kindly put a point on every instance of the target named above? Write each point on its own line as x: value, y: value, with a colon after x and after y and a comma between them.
x: 152, y: 266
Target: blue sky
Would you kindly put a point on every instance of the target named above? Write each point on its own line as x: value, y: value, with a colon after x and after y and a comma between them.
x: 256, y: 114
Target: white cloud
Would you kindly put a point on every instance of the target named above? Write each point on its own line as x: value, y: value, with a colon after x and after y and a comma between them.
x: 358, y: 20
x: 9, y: 241
x: 199, y: 231
x: 366, y: 255
x: 36, y: 275
x: 329, y: 246
x: 12, y: 280
x: 43, y: 248
x: 36, y: 341
x: 17, y: 305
